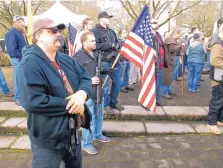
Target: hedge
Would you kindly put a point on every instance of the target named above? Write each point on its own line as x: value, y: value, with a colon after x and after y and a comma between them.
x: 4, y: 60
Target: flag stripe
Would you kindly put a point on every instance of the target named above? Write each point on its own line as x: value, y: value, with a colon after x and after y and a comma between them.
x: 138, y: 49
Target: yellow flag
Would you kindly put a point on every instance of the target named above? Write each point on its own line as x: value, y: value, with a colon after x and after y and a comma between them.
x: 30, y: 23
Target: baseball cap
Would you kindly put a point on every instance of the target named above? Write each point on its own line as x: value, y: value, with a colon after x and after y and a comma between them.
x: 196, y: 36
x: 104, y: 15
x: 43, y: 23
x: 17, y: 18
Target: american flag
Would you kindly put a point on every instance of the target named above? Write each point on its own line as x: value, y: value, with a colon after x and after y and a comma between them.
x: 72, y: 35
x: 138, y: 49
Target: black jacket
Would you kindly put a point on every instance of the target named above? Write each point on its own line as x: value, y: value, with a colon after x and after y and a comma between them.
x: 157, y: 45
x: 104, y: 40
x: 42, y: 94
x: 90, y: 63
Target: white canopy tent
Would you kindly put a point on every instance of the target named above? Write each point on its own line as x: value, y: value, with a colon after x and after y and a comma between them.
x: 61, y: 14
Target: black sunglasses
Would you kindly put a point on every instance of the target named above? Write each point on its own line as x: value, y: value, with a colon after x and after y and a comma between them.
x: 55, y: 30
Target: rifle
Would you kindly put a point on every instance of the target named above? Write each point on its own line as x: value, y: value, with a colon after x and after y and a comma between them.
x: 73, y: 134
x: 98, y: 70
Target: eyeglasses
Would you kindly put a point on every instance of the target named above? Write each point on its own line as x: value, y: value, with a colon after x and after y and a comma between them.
x: 55, y: 30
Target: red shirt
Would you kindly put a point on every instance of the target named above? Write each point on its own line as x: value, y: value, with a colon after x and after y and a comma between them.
x: 161, y: 51
x: 65, y: 80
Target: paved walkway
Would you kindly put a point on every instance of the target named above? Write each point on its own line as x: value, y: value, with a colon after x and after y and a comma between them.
x: 190, y: 99
x: 184, y: 151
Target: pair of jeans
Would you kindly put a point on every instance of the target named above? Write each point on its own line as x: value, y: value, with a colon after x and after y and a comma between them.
x: 15, y: 63
x: 116, y: 84
x: 53, y: 158
x: 194, y: 74
x: 159, y: 82
x: 3, y: 84
x: 176, y: 68
x: 125, y: 68
x: 133, y: 74
x: 96, y: 123
x: 208, y: 61
x: 166, y: 89
x: 216, y: 105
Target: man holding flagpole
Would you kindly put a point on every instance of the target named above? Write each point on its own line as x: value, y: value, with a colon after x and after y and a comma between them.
x: 138, y: 48
x: 107, y: 43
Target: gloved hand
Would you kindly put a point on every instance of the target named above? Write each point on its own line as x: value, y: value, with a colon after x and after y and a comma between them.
x: 76, y: 102
x: 114, y: 46
x: 110, y: 71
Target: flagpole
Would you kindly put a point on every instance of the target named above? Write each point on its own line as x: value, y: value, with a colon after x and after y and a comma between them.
x: 30, y: 22
x: 182, y: 81
x: 113, y: 65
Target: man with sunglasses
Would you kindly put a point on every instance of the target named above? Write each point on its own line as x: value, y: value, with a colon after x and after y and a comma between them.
x: 160, y: 63
x: 46, y: 78
x: 15, y: 41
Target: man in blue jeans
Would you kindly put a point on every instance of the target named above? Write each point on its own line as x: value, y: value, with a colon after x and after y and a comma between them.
x: 89, y: 59
x: 3, y: 85
x: 54, y: 88
x: 15, y: 41
x: 160, y: 61
x: 125, y: 65
x: 107, y: 43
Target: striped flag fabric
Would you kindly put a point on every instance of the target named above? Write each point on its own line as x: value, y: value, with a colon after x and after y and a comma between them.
x: 72, y: 35
x: 138, y: 49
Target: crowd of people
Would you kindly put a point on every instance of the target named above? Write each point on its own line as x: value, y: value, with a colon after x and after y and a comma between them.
x: 61, y: 93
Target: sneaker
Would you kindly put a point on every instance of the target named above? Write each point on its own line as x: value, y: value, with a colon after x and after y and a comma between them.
x: 166, y: 96
x: 117, y: 106
x: 108, y: 109
x: 190, y: 90
x: 214, y: 129
x: 102, y: 138
x: 17, y: 102
x: 219, y: 123
x: 9, y: 94
x: 90, y: 150
x: 160, y: 103
x: 172, y: 94
x: 129, y: 88
x: 123, y: 90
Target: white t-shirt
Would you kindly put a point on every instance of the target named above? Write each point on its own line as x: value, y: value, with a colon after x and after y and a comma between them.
x: 77, y: 41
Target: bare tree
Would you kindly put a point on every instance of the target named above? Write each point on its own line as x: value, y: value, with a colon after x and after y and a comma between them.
x: 88, y: 8
x: 157, y: 7
x: 202, y: 15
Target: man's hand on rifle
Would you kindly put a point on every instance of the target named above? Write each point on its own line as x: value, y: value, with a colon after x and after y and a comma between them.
x: 95, y: 80
x: 76, y: 102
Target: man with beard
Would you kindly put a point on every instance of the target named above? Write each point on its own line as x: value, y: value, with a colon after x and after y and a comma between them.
x: 45, y: 79
x: 15, y: 41
x: 89, y: 59
x: 160, y: 63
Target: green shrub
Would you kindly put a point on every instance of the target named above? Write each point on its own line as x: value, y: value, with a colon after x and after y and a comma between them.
x: 4, y: 60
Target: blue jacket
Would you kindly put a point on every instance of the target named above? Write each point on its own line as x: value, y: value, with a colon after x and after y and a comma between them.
x: 15, y: 41
x: 196, y: 53
x: 42, y: 94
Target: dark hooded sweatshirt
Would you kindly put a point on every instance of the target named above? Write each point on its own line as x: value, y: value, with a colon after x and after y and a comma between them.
x: 42, y: 94
x: 105, y: 37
